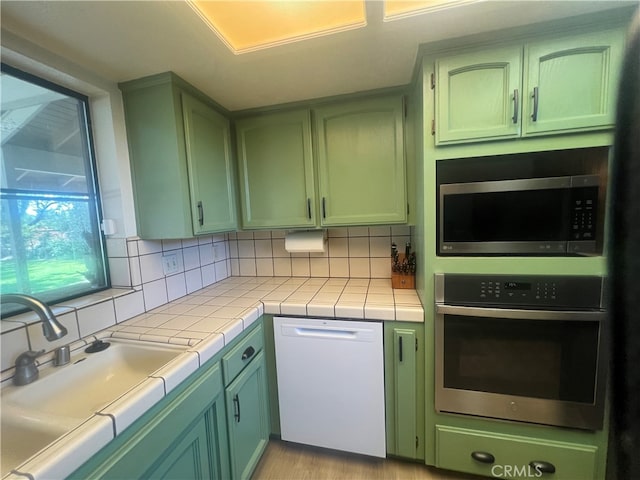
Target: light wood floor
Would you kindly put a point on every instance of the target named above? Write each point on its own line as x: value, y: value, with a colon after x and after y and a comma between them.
x: 288, y: 461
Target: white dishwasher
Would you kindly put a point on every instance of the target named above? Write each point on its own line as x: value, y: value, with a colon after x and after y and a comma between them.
x: 331, y: 383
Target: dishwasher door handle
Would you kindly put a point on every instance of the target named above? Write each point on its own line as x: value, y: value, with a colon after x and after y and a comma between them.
x: 325, y: 333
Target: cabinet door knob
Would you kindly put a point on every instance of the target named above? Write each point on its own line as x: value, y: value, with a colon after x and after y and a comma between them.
x: 541, y: 466
x: 515, y: 106
x: 483, y: 457
x: 309, y: 208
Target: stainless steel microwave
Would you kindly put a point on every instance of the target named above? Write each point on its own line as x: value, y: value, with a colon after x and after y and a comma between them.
x: 536, y: 216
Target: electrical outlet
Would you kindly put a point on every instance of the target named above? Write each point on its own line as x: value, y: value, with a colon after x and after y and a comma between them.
x: 170, y: 263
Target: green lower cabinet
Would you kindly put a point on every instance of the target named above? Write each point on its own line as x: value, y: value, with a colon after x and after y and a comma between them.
x: 248, y: 417
x: 187, y: 458
x: 182, y: 437
x: 404, y: 379
x: 511, y: 456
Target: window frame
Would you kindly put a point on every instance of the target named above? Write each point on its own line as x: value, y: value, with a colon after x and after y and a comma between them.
x: 93, y: 191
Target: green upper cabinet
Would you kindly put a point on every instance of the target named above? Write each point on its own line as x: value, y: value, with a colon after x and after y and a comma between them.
x: 572, y: 82
x: 361, y: 164
x: 551, y: 86
x: 276, y: 170
x: 179, y: 149
x: 478, y: 95
x: 209, y: 165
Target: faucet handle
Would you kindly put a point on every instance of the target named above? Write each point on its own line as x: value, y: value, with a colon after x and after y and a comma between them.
x: 26, y: 369
x: 28, y: 357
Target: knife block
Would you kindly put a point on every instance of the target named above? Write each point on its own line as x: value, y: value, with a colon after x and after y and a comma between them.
x: 402, y: 280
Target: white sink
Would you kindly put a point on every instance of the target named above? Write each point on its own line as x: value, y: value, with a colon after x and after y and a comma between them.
x: 34, y: 415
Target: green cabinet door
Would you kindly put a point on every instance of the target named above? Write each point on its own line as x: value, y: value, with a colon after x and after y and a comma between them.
x: 179, y: 157
x: 478, y: 95
x: 276, y: 171
x: 210, y: 168
x: 248, y: 418
x: 361, y: 164
x: 404, y: 377
x: 187, y: 458
x: 572, y: 82
x: 184, y: 436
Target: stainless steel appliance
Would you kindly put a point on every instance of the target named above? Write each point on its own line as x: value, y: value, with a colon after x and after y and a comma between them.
x: 530, y: 348
x: 550, y: 216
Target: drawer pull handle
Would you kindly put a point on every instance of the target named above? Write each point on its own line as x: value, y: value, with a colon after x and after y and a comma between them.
x: 543, y: 467
x: 483, y: 457
x: 248, y: 353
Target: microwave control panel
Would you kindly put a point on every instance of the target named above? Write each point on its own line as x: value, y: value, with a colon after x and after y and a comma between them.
x: 541, y: 291
x: 584, y: 204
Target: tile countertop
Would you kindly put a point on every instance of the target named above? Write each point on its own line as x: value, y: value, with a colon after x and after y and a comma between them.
x: 204, y: 322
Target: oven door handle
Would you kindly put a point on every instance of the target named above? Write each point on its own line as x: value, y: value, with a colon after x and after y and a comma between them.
x: 520, y: 314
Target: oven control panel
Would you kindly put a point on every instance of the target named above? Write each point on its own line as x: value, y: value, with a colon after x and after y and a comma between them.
x: 541, y: 291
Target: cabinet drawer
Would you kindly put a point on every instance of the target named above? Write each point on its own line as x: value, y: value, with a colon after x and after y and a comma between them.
x: 512, y: 455
x: 240, y: 355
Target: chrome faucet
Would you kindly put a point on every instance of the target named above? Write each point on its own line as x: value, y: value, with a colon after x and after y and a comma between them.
x: 51, y: 328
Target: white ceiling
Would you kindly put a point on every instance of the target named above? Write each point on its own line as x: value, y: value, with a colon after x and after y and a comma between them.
x: 124, y: 40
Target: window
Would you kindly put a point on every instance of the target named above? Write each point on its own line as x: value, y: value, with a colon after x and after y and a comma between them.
x: 51, y: 245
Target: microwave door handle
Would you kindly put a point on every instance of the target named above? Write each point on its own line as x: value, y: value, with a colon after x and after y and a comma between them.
x: 520, y: 314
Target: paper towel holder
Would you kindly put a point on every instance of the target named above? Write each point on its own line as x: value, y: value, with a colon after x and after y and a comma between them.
x: 305, y: 241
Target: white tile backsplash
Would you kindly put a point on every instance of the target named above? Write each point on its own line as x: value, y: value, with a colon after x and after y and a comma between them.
x: 155, y: 294
x: 147, y: 247
x: 191, y: 257
x: 193, y: 280
x: 264, y: 249
x: 119, y: 272
x: 128, y: 306
x: 356, y: 252
x: 137, y: 266
x: 96, y: 317
x: 208, y: 274
x: 264, y: 267
x: 338, y: 267
x: 12, y: 344
x: 151, y: 267
x: 176, y: 286
x: 206, y: 254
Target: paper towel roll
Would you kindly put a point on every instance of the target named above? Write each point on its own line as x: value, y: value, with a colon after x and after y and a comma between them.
x: 306, y: 241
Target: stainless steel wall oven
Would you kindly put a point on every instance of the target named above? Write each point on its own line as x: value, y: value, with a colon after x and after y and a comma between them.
x: 529, y: 348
